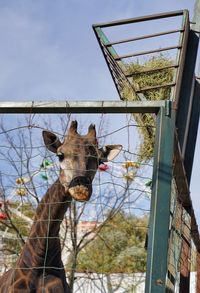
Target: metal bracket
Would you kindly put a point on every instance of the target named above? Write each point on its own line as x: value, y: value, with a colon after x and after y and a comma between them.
x: 168, y: 108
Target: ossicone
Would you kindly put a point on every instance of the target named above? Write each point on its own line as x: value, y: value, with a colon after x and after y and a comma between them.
x: 73, y: 127
x: 91, y: 131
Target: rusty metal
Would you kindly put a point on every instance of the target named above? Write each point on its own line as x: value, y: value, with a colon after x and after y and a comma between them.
x: 171, y: 84
x: 147, y: 52
x: 144, y: 37
x: 182, y: 55
x: 184, y: 192
x: 140, y: 19
x: 151, y: 70
x: 185, y: 257
x: 198, y: 272
x: 181, y: 89
x: 54, y: 107
x: 116, y: 61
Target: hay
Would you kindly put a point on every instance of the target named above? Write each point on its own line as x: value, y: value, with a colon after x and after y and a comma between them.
x: 141, y: 80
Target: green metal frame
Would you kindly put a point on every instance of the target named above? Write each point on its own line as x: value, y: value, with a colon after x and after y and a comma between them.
x: 157, y: 260
x: 162, y: 170
x: 181, y: 133
x: 169, y: 145
x: 116, y: 63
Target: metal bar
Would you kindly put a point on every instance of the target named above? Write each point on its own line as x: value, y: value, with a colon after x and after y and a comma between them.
x: 156, y: 87
x: 143, y: 37
x: 181, y: 54
x: 188, y: 83
x: 190, y: 105
x: 157, y: 258
x: 103, y: 40
x: 151, y: 70
x: 192, y: 133
x: 54, y: 107
x: 101, y: 36
x: 140, y: 19
x: 147, y: 52
x: 187, y: 91
x: 109, y: 57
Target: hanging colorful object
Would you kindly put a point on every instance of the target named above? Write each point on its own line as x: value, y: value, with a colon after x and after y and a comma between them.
x: 21, y: 191
x: 44, y: 176
x: 129, y: 164
x: 22, y: 180
x: 103, y: 167
x: 129, y: 176
x: 46, y: 164
x: 3, y: 216
x: 149, y: 183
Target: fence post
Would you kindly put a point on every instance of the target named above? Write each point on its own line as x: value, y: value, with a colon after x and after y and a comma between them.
x: 157, y: 258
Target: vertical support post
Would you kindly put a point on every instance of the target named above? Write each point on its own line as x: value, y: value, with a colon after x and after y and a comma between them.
x: 186, y: 121
x: 157, y: 258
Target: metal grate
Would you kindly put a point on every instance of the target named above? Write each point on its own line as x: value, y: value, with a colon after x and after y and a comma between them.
x: 120, y: 53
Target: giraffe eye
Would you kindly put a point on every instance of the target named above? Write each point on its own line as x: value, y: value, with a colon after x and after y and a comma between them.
x: 60, y: 156
x: 101, y: 162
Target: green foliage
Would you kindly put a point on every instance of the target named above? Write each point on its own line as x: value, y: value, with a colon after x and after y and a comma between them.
x: 117, y: 248
x: 142, y: 80
x: 16, y: 225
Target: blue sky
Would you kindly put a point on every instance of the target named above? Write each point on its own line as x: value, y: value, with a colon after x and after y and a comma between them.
x: 48, y: 50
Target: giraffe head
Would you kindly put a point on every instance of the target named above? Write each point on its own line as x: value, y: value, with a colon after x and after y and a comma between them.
x: 79, y: 158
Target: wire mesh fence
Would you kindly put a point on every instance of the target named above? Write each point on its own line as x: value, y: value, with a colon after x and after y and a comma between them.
x: 102, y: 240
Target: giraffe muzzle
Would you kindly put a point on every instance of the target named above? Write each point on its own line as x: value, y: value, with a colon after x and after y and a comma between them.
x: 80, y: 188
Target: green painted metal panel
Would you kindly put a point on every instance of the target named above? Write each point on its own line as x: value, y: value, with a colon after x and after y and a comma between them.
x: 157, y: 259
x: 105, y: 41
x: 83, y: 107
x: 188, y: 83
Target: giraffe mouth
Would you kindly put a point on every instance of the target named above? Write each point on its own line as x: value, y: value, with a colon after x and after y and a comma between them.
x: 81, y: 188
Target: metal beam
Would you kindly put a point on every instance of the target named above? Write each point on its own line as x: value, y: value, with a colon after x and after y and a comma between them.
x: 54, y: 107
x: 140, y: 19
x: 186, y: 100
x: 157, y: 258
x: 192, y: 131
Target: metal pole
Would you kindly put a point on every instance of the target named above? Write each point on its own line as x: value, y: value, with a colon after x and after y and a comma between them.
x: 54, y: 107
x: 185, y: 102
x: 157, y: 259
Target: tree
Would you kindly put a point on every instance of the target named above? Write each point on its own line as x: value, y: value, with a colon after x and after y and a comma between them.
x: 117, y: 248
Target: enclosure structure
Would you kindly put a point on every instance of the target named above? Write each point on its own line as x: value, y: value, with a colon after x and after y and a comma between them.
x: 167, y: 216
x: 137, y: 77
x: 173, y: 232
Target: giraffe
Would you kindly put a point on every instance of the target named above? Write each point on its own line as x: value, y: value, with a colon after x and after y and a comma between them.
x: 39, y: 267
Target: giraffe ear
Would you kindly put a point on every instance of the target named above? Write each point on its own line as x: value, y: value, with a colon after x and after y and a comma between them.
x: 109, y: 152
x: 51, y: 141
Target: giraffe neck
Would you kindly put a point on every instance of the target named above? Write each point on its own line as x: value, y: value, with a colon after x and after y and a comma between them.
x: 42, y: 249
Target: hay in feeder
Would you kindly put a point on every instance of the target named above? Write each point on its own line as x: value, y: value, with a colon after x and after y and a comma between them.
x: 140, y: 80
